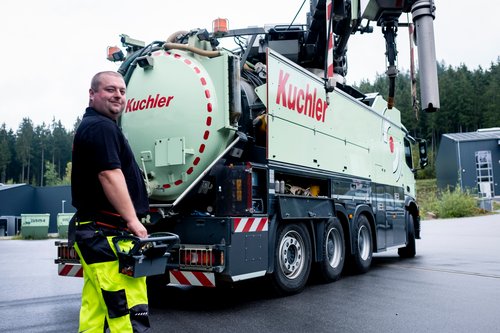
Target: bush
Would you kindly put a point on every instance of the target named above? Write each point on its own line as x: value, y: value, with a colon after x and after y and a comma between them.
x: 446, y: 204
x: 427, y: 197
x: 456, y: 203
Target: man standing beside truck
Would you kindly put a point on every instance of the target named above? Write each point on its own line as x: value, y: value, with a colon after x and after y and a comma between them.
x: 110, y: 197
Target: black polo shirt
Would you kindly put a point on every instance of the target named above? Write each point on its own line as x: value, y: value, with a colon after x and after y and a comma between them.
x: 100, y: 145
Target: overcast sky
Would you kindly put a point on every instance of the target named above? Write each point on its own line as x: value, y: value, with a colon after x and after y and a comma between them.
x: 51, y: 48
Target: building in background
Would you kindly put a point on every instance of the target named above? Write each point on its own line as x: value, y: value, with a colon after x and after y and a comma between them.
x: 20, y: 199
x: 470, y: 160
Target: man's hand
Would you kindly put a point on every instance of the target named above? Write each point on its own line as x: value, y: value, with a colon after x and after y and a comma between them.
x: 137, y: 229
x: 115, y: 188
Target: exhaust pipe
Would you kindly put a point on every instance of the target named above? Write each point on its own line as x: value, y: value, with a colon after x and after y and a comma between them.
x: 423, y: 15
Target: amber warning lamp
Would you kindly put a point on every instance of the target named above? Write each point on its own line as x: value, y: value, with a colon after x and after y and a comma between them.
x: 220, y: 27
x: 115, y: 54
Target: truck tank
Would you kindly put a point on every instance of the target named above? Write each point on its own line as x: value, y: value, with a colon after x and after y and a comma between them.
x: 180, y: 115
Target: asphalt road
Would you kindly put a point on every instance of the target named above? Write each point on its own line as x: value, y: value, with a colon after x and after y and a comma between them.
x: 453, y: 285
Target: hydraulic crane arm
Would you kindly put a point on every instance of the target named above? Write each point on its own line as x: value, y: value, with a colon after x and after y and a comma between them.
x: 345, y: 19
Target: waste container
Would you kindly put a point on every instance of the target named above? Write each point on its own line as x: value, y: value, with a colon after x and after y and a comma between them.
x: 62, y: 224
x: 35, y: 226
x: 3, y: 227
x: 13, y: 224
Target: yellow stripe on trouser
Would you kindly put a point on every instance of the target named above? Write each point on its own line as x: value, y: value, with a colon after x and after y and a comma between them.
x: 102, y: 279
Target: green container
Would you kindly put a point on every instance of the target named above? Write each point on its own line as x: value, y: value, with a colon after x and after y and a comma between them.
x: 35, y: 226
x: 62, y: 224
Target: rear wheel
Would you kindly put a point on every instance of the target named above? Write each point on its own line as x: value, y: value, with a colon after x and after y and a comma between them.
x: 363, y: 246
x: 330, y: 268
x: 292, y: 258
x: 409, y: 251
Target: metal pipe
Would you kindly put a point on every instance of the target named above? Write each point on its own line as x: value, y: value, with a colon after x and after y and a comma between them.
x: 423, y: 16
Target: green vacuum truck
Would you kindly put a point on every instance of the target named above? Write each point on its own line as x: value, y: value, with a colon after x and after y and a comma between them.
x: 262, y: 159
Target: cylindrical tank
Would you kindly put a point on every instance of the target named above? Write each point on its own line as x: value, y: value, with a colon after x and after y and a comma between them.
x: 177, y: 118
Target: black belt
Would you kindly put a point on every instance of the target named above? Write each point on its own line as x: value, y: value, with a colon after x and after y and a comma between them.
x: 101, y: 219
x: 88, y: 223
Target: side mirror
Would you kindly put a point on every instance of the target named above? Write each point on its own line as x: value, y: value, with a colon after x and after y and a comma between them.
x: 422, y: 149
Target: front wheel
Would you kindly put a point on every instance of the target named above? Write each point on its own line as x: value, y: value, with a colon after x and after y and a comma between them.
x: 409, y: 251
x: 292, y: 258
x: 363, y: 246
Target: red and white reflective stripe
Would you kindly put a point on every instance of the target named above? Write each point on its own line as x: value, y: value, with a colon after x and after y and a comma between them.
x: 250, y: 224
x: 184, y: 278
x: 75, y: 270
x: 330, y: 39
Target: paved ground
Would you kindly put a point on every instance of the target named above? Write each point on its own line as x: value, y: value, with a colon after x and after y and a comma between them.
x: 453, y: 285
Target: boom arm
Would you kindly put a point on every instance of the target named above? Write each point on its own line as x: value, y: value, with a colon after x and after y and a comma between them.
x: 345, y: 19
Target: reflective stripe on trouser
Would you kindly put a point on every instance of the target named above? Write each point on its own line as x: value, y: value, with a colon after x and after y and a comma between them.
x: 108, y: 296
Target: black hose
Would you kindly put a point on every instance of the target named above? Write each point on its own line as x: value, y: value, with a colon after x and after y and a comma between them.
x: 392, y: 89
x: 127, y: 68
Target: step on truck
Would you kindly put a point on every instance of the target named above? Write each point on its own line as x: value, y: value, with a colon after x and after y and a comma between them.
x: 262, y: 159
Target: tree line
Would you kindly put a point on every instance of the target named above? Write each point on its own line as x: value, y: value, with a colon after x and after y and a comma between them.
x: 40, y: 155
x: 470, y: 100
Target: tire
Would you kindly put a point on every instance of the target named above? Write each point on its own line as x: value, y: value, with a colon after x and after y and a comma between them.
x: 361, y: 259
x: 293, y: 256
x: 330, y: 268
x: 410, y: 250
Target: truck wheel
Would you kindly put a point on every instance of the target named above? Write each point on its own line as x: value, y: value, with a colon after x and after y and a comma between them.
x: 292, y: 259
x: 330, y: 268
x: 363, y: 246
x: 409, y: 251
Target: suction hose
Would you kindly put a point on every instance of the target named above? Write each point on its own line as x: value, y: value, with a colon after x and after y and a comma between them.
x: 185, y: 47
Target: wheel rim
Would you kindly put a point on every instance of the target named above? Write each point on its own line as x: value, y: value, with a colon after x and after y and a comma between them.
x: 364, y: 242
x: 291, y: 254
x: 334, y: 247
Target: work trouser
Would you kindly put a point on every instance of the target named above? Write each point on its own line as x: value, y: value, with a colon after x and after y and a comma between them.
x: 109, y: 299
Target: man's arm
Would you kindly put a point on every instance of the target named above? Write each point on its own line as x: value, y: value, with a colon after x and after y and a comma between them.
x: 115, y: 188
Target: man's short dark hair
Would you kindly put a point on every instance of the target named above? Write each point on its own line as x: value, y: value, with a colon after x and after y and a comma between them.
x: 96, y: 80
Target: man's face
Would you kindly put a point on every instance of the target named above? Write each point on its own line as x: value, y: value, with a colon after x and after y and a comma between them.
x: 109, y: 98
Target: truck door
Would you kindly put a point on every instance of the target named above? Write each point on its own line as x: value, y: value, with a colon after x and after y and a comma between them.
x: 379, y: 203
x: 398, y: 217
x: 392, y: 218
